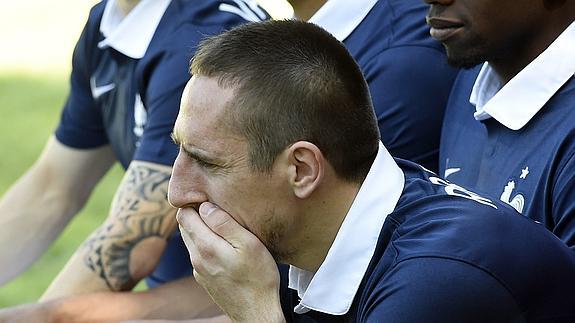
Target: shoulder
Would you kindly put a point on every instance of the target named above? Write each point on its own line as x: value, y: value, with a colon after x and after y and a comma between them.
x: 186, y: 23
x: 407, y: 21
x: 95, y: 14
x: 451, y: 219
x: 421, y: 183
x: 395, y: 33
x: 91, y: 32
x: 396, y: 23
x: 226, y: 13
x: 451, y: 222
x: 457, y: 252
x: 494, y: 287
x: 405, y: 12
x: 437, y: 290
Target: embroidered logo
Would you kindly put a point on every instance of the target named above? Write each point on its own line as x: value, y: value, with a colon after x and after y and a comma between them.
x: 517, y: 201
x: 98, y: 91
x: 524, y: 172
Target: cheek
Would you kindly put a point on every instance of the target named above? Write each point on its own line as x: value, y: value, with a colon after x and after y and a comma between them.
x: 244, y: 199
x: 491, y: 19
x: 231, y: 196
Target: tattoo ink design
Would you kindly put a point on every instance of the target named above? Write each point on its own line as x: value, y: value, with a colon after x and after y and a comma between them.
x: 138, y: 212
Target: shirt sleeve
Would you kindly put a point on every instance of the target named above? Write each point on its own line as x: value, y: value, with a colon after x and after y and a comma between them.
x: 162, y: 77
x: 81, y: 125
x: 410, y: 86
x: 439, y: 290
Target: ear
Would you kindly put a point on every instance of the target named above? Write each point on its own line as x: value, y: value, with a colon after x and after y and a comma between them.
x: 306, y: 168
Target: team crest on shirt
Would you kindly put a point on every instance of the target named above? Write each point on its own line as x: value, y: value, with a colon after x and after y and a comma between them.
x: 517, y: 201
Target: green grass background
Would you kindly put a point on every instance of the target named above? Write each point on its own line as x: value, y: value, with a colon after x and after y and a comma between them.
x: 37, y: 41
x: 30, y: 107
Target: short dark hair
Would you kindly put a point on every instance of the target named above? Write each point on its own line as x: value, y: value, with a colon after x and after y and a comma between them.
x: 294, y: 81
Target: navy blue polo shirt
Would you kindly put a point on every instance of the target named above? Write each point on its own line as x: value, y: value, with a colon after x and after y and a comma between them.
x: 445, y: 254
x: 132, y: 103
x: 406, y: 70
x: 532, y: 168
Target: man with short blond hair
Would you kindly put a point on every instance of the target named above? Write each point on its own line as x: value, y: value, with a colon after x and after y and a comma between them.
x: 280, y: 161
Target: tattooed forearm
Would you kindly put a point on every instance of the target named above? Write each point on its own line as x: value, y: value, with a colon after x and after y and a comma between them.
x: 140, y: 212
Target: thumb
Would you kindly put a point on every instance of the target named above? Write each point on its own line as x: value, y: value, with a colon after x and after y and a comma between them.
x: 223, y: 224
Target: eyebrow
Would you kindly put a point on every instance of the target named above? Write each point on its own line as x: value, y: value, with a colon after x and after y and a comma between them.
x: 193, y: 152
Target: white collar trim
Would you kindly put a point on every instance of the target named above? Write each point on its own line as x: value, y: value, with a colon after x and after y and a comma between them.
x: 131, y: 35
x: 518, y: 101
x: 333, y: 287
x: 341, y: 17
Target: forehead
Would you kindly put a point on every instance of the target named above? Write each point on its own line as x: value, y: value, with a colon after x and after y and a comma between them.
x: 204, y: 96
x: 202, y: 111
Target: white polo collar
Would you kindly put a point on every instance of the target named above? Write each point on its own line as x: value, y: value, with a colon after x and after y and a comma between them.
x: 518, y: 101
x: 341, y: 17
x: 131, y: 35
x: 333, y: 287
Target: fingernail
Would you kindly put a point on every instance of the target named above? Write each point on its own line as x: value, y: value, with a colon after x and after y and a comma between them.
x: 207, y: 208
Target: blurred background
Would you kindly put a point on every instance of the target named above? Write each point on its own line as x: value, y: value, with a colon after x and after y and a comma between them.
x: 36, y: 42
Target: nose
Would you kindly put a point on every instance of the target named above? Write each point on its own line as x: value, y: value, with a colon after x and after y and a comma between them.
x: 186, y: 184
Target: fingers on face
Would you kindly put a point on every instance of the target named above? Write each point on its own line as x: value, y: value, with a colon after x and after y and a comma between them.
x: 205, y: 247
x: 215, y: 240
x: 192, y: 251
x: 220, y: 222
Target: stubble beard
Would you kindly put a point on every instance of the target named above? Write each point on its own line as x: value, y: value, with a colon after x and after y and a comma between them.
x: 274, y: 246
x: 273, y: 237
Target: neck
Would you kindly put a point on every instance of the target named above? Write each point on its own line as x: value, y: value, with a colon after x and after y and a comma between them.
x: 320, y: 222
x: 127, y: 5
x: 305, y: 9
x: 526, y: 49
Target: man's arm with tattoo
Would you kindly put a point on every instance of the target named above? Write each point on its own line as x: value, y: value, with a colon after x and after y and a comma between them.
x: 128, y: 245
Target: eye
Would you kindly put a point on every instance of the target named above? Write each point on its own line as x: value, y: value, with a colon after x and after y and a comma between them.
x: 205, y: 164
x: 202, y: 163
